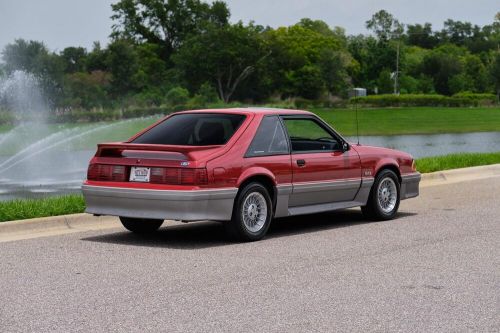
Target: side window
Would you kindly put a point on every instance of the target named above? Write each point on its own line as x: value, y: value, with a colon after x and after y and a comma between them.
x: 270, y: 139
x: 306, y: 135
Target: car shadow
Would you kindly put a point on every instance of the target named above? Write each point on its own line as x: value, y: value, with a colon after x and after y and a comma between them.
x: 200, y: 235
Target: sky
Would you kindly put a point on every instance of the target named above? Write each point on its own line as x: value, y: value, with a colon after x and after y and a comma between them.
x: 63, y: 23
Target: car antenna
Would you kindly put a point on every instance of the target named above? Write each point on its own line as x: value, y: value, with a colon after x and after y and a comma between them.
x: 355, y: 93
x: 356, y: 108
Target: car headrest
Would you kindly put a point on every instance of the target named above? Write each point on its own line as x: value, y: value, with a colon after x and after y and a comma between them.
x: 211, y: 133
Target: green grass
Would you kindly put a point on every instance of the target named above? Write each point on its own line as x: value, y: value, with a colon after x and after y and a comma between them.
x: 412, y: 120
x: 31, y: 208
x: 456, y: 161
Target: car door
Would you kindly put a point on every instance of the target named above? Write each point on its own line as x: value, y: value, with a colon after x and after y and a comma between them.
x: 323, y: 171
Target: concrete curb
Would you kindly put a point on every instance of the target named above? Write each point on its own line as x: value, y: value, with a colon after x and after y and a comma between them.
x: 46, y: 226
x: 460, y: 175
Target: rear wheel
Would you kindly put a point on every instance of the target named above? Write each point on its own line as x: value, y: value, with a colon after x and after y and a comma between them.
x: 141, y: 226
x: 252, y: 214
x: 383, y: 202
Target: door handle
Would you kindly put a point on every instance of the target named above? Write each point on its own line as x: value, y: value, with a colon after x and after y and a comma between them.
x: 301, y: 163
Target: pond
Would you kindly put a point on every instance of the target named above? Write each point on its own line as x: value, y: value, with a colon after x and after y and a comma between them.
x: 51, y: 160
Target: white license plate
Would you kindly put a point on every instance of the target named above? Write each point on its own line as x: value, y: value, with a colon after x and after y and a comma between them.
x: 140, y: 174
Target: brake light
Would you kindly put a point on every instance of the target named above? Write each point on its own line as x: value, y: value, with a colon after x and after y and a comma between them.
x: 105, y: 172
x: 179, y: 176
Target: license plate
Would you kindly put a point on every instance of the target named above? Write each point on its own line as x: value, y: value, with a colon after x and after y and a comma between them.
x: 140, y: 174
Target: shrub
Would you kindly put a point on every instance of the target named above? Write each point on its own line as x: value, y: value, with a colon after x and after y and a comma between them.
x: 177, y: 96
x: 458, y: 100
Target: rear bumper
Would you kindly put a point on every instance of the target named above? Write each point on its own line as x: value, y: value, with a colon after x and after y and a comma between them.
x: 410, y: 185
x: 193, y: 205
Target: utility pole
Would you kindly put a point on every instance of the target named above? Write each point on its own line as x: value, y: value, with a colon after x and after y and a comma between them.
x: 396, y: 75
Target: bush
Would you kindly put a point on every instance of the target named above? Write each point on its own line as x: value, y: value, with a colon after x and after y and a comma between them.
x: 458, y: 100
x: 177, y: 96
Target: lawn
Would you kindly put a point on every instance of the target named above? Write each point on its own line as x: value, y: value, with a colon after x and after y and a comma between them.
x: 412, y: 120
x: 456, y: 161
x: 31, y: 208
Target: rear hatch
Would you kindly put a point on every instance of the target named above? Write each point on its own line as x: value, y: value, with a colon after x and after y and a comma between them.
x: 154, y: 164
x: 173, y: 151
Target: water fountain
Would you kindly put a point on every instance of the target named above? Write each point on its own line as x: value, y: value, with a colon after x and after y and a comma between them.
x: 38, y: 158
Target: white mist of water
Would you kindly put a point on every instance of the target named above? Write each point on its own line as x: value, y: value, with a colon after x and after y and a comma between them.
x: 22, y: 94
x: 36, y: 157
x: 32, y: 151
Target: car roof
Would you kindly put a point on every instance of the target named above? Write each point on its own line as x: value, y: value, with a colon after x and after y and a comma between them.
x: 251, y: 110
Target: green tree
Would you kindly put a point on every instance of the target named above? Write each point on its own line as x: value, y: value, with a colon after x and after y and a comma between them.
x: 384, y: 25
x: 306, y: 48
x: 442, y: 64
x: 166, y: 23
x: 97, y: 59
x: 224, y: 56
x: 495, y: 73
x: 335, y: 68
x: 74, y: 59
x: 86, y: 90
x: 385, y: 83
x: 123, y: 63
x: 421, y: 35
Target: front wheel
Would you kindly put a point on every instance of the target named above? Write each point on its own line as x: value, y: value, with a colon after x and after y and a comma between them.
x: 383, y: 202
x: 140, y: 226
x: 252, y: 214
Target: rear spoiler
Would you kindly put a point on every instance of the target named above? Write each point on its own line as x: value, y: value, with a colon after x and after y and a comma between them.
x: 113, y: 149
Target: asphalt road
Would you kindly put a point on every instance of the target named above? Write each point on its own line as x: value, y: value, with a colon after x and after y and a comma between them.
x: 434, y: 269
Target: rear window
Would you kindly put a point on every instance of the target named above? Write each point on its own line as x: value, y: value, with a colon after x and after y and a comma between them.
x: 193, y: 129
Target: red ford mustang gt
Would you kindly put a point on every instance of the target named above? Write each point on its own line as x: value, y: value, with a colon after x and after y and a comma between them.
x: 243, y: 167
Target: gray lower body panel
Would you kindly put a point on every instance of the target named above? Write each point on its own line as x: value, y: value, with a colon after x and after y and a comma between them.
x: 410, y: 185
x: 359, y: 189
x: 198, y: 205
x: 217, y: 205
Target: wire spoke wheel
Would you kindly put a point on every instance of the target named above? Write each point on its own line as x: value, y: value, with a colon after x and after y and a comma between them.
x: 387, y: 195
x: 254, y: 212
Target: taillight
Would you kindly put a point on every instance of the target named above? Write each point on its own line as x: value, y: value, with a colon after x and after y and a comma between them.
x: 179, y: 176
x: 105, y: 172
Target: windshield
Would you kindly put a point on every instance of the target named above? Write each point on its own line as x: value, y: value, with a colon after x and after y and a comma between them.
x: 193, y: 129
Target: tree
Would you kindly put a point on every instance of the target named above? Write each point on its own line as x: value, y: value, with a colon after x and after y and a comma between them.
x: 421, y: 35
x: 307, y: 48
x: 495, y: 73
x: 335, y: 67
x: 457, y: 32
x: 34, y: 57
x: 165, y: 22
x: 442, y: 64
x: 74, y: 59
x: 224, y: 56
x: 97, y: 59
x: 86, y: 90
x: 384, y: 25
x: 123, y: 65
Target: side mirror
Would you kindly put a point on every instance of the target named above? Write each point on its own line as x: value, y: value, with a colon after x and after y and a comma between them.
x: 345, y: 146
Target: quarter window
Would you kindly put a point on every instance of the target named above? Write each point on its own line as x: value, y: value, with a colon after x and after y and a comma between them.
x: 270, y: 139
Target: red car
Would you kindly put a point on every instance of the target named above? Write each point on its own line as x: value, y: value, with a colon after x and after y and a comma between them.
x: 243, y: 167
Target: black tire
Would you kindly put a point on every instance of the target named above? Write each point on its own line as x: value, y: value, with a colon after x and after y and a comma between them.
x: 373, y: 209
x: 237, y: 229
x: 141, y: 226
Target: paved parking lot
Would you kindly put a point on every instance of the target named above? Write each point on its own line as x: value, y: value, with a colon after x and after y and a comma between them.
x: 434, y: 269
